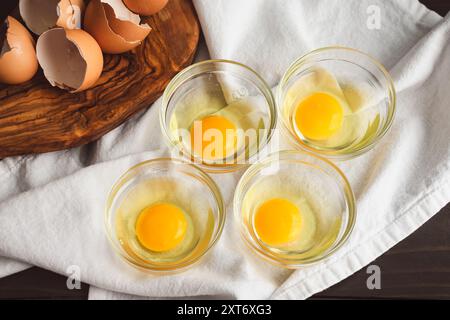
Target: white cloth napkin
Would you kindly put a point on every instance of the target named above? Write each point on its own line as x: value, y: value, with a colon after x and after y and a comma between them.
x: 51, y: 205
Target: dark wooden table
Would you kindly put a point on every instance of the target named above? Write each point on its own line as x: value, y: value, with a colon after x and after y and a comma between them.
x: 417, y: 267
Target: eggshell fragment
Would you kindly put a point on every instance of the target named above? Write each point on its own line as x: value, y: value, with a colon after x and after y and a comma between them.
x: 42, y: 15
x: 70, y: 14
x: 145, y: 7
x: 18, y: 61
x: 115, y: 28
x: 71, y: 59
x: 126, y: 26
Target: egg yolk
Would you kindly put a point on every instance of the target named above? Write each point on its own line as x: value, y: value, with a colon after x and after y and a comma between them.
x: 161, y: 227
x: 216, y: 138
x: 278, y: 222
x: 319, y: 116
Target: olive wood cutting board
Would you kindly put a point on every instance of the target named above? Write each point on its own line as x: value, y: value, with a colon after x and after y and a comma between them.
x: 36, y: 117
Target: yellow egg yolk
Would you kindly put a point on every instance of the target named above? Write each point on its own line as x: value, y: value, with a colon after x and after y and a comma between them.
x: 319, y: 116
x: 213, y: 137
x: 278, y: 222
x: 161, y: 227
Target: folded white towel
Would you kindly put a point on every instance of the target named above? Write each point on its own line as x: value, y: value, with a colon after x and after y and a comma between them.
x: 51, y: 205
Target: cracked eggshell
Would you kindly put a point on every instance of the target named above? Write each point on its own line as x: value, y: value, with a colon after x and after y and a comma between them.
x: 18, y: 61
x: 70, y: 59
x: 42, y: 15
x: 115, y: 28
x: 145, y: 7
x: 70, y: 13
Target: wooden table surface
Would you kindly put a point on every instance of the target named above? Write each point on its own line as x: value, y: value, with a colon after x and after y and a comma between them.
x: 417, y: 267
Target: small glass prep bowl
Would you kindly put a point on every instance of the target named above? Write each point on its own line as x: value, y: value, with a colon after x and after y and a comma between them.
x: 328, y: 205
x: 164, y: 180
x: 218, y: 87
x: 361, y: 81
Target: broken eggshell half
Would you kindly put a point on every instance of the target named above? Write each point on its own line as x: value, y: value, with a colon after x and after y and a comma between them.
x: 42, y: 15
x: 145, y: 7
x: 115, y: 28
x: 70, y: 59
x: 18, y: 61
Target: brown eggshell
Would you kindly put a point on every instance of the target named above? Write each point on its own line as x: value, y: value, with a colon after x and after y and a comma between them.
x: 145, y: 7
x: 100, y: 26
x: 126, y: 29
x: 42, y: 15
x: 70, y: 13
x: 70, y: 59
x: 18, y: 61
x: 92, y: 54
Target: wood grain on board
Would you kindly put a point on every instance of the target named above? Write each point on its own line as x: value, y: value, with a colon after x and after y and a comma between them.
x: 36, y: 117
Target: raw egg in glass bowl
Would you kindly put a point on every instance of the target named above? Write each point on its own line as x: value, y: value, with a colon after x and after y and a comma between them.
x: 294, y: 208
x: 218, y: 114
x: 164, y: 214
x: 337, y: 102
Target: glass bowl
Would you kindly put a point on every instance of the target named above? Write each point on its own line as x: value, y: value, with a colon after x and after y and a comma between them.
x: 319, y: 190
x: 362, y: 86
x: 218, y: 89
x: 164, y: 180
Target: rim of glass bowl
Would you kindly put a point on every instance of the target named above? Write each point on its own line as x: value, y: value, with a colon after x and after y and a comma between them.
x: 293, y: 68
x: 173, y: 142
x: 173, y: 267
x: 254, y: 169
